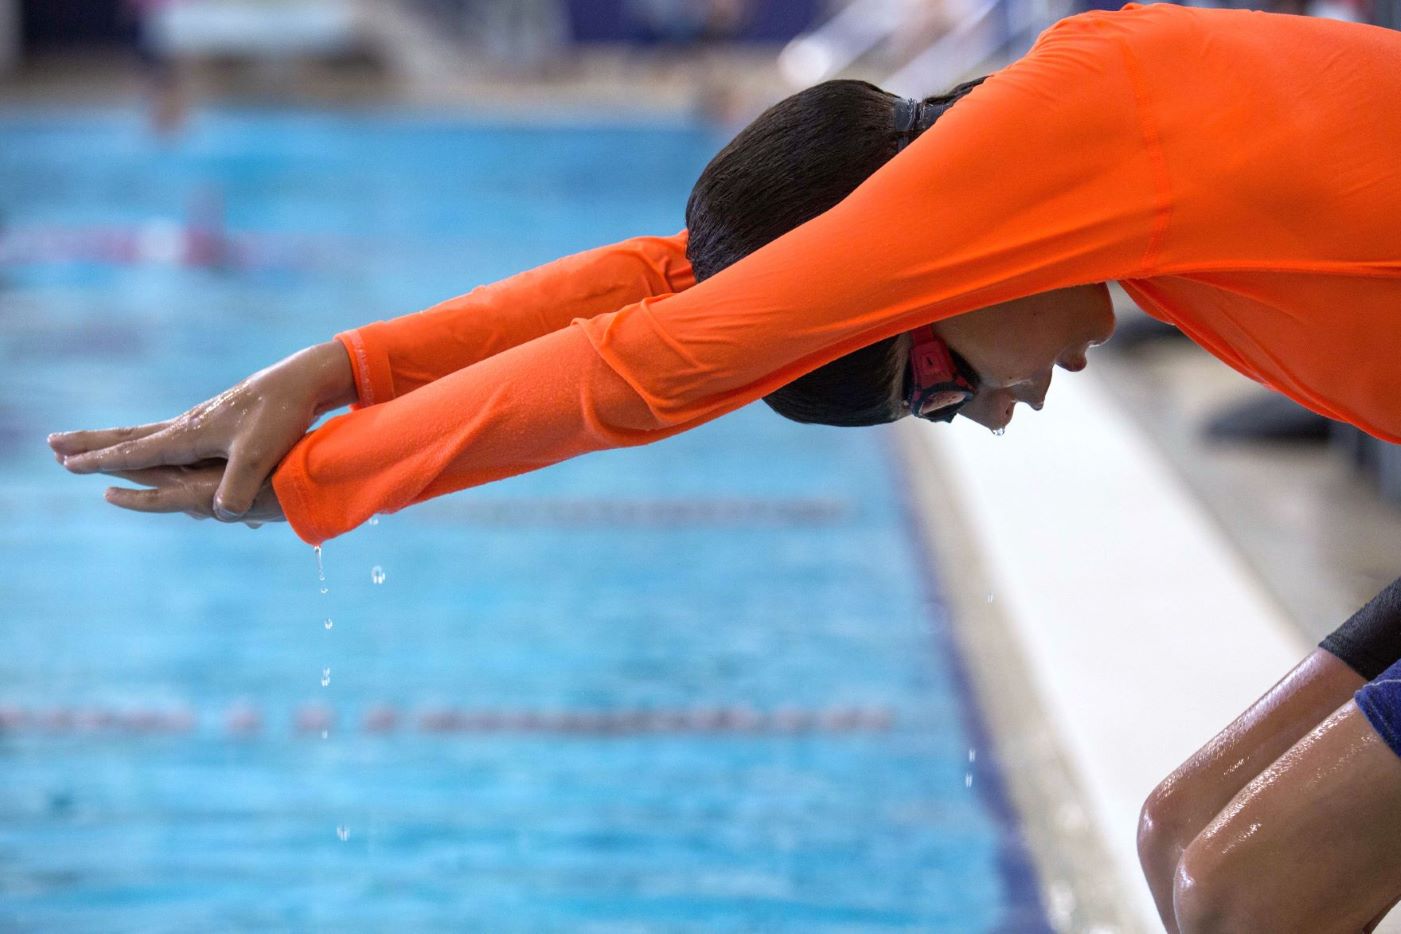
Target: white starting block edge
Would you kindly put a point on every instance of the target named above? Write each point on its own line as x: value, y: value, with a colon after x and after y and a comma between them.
x: 255, y: 28
x: 1144, y: 631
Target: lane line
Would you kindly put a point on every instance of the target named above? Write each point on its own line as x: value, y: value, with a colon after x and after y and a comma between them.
x: 246, y: 720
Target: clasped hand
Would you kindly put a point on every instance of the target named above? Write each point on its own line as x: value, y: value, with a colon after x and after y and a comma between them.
x: 216, y: 460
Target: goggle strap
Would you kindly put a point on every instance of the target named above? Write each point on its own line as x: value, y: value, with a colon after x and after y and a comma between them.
x: 932, y: 360
x: 936, y: 369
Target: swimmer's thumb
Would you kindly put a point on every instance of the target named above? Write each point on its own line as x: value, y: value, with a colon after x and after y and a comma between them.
x: 239, y: 487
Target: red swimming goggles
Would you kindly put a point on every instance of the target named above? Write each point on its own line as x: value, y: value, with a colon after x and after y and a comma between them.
x: 938, y: 382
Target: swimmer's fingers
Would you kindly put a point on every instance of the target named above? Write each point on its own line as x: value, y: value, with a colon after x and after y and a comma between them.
x: 170, y: 499
x: 161, y: 476
x: 188, y: 490
x: 159, y: 499
x: 175, y: 444
x: 69, y: 443
x: 267, y: 412
x: 172, y: 489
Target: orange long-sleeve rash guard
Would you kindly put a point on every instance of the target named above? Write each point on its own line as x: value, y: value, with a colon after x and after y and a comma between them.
x: 390, y: 358
x: 1235, y: 171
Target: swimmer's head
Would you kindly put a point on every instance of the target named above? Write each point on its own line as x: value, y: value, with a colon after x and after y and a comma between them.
x: 797, y: 160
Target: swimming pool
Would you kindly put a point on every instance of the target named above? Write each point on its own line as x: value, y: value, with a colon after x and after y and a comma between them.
x: 700, y: 686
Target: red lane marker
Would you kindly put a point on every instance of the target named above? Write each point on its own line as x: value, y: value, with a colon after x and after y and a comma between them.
x: 742, y: 719
x: 791, y: 720
x: 180, y: 721
x: 143, y: 721
x: 380, y: 719
x: 88, y: 720
x: 56, y: 720
x: 438, y: 721
x: 165, y: 243
x: 313, y: 718
x: 244, y: 719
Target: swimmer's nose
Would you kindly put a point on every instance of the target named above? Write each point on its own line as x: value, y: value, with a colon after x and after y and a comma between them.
x: 1073, y: 362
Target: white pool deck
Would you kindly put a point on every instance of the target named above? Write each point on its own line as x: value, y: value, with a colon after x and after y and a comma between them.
x: 1141, y: 629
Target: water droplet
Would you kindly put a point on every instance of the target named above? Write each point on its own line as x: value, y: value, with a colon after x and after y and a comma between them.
x: 967, y: 779
x: 990, y: 597
x: 328, y: 624
x: 320, y: 570
x: 999, y: 431
x: 343, y: 832
x: 377, y: 574
x: 972, y: 755
x: 325, y: 677
x: 325, y: 733
x: 374, y: 520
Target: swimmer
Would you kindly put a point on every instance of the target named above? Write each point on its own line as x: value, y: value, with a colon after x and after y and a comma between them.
x: 855, y: 258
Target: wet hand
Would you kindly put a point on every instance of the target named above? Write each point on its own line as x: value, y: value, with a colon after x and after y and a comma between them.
x: 191, y: 490
x: 248, y: 429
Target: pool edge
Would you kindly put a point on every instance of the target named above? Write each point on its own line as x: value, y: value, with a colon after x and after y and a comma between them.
x: 1081, y: 886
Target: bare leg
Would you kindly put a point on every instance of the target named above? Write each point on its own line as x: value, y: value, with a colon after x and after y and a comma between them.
x: 1309, y: 845
x: 1193, y: 795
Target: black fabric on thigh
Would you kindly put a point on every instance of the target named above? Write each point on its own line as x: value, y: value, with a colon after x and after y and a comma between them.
x: 1370, y: 641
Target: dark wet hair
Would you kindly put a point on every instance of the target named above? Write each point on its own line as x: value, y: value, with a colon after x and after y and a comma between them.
x: 796, y: 160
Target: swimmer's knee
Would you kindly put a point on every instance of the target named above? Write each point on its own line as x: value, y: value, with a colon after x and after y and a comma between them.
x: 1165, y: 828
x: 1203, y: 897
x: 1216, y: 891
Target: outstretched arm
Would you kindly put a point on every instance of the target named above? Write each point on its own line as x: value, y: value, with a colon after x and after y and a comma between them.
x: 390, y: 358
x: 1038, y: 180
x: 251, y: 427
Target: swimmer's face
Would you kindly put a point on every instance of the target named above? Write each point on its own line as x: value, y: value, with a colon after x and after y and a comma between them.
x: 1015, y: 346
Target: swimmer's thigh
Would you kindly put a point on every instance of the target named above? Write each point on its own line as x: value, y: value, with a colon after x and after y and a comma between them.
x: 1312, y: 843
x: 1195, y: 793
x: 1355, y: 653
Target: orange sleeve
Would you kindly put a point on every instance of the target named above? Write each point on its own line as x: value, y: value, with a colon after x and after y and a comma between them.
x: 390, y: 358
x: 1045, y: 176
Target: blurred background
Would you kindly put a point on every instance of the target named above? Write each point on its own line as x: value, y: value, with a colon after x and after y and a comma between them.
x: 712, y: 684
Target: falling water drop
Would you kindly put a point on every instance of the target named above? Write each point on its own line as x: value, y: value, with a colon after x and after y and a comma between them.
x: 990, y: 597
x: 325, y: 733
x: 967, y: 779
x: 320, y: 570
x: 972, y: 755
x: 999, y: 431
x: 325, y: 677
x: 328, y: 624
x: 343, y: 832
x: 374, y: 520
x: 377, y: 574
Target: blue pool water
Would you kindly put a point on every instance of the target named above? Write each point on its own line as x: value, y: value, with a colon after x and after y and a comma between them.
x: 700, y: 686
